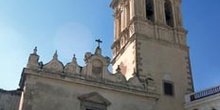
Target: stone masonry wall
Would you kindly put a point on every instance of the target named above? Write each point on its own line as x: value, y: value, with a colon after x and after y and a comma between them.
x: 9, y: 100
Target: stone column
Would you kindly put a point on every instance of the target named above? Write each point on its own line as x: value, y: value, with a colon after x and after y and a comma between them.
x: 178, y: 15
x: 161, y: 12
x: 132, y: 8
x: 115, y: 28
x: 123, y: 18
x: 128, y: 12
x: 174, y: 14
x: 156, y: 9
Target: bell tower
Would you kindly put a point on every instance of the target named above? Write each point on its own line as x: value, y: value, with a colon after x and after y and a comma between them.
x: 149, y: 40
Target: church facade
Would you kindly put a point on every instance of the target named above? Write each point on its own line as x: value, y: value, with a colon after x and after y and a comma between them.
x: 151, y: 66
x: 92, y: 87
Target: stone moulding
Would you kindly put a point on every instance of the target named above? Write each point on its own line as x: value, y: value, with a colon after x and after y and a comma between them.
x: 95, y: 71
x: 94, y: 97
x: 13, y: 92
x: 103, y: 84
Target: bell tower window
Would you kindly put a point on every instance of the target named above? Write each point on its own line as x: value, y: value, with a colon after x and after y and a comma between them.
x: 168, y: 13
x: 149, y: 10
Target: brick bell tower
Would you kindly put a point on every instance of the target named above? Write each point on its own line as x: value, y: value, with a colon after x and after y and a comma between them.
x: 149, y: 40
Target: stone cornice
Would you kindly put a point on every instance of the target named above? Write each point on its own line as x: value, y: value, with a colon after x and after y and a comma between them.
x: 113, y: 3
x: 125, y: 31
x: 102, y: 84
x: 144, y: 37
x: 141, y: 19
x: 162, y: 42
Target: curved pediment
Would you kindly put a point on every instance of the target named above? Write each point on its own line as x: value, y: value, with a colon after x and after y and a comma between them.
x: 116, y: 78
x: 54, y: 65
x: 91, y: 57
x: 72, y: 67
x: 134, y: 81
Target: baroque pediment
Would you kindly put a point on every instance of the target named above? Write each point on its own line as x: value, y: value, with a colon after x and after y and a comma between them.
x: 134, y: 81
x: 72, y: 67
x: 94, y: 97
x: 54, y: 65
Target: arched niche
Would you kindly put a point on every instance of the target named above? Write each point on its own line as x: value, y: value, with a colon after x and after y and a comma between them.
x: 97, y: 67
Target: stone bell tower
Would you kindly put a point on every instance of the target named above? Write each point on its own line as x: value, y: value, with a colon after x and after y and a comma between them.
x: 149, y: 40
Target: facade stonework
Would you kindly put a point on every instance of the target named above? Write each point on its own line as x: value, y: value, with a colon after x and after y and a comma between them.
x: 150, y: 41
x: 151, y: 66
x: 55, y: 86
x: 9, y: 100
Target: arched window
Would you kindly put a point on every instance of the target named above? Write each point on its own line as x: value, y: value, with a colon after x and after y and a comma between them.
x: 150, y: 10
x: 168, y: 13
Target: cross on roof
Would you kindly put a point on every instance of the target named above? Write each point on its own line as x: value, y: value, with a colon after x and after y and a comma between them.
x: 98, y: 41
x: 35, y: 50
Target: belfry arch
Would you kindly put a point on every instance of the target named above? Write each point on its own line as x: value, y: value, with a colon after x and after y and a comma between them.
x: 168, y: 13
x: 149, y: 9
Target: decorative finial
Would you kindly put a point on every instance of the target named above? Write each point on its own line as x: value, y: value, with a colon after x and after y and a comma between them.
x: 55, y: 56
x: 35, y: 50
x: 74, y: 58
x: 98, y: 41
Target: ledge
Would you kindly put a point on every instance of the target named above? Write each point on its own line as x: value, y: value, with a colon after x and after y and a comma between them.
x: 103, y: 83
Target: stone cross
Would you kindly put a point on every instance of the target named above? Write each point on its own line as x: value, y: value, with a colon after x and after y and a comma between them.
x: 98, y: 41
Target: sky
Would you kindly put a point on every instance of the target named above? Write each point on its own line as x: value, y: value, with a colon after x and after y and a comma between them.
x: 71, y: 27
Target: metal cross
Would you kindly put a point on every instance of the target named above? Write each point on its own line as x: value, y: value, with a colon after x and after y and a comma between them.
x: 98, y: 41
x: 35, y: 50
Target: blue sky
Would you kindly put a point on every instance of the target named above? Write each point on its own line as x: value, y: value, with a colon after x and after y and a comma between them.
x: 71, y: 27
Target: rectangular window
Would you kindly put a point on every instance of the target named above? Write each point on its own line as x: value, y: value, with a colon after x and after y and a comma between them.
x: 168, y: 88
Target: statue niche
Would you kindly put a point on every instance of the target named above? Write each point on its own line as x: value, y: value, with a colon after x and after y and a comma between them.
x: 97, y: 68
